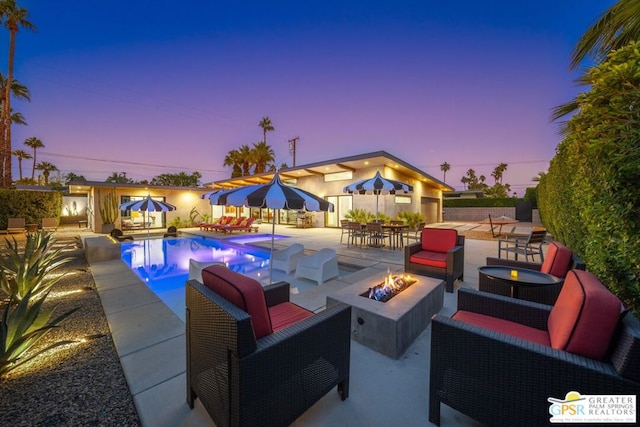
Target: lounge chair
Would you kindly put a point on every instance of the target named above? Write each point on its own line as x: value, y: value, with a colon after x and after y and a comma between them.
x: 16, y: 225
x: 226, y: 221
x: 49, y: 224
x: 439, y: 253
x: 245, y: 225
x: 256, y: 359
x: 319, y: 267
x: 495, y: 346
x: 286, y: 259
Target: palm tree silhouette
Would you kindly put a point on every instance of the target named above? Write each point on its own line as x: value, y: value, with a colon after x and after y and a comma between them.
x: 266, y: 126
x: 34, y: 143
x: 21, y: 154
x: 13, y: 17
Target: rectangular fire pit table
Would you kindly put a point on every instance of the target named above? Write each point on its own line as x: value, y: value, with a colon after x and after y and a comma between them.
x: 390, y: 327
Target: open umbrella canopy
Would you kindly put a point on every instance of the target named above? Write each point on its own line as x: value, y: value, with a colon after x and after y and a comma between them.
x: 274, y: 195
x: 147, y: 205
x: 378, y: 185
x: 208, y: 194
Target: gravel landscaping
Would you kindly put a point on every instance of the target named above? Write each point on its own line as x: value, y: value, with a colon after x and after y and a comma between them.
x: 80, y: 382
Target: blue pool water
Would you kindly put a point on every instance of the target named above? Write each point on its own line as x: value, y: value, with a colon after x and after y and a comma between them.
x: 163, y: 264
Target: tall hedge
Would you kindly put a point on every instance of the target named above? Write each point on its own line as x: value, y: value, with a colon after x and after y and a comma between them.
x: 590, y: 198
x: 30, y: 205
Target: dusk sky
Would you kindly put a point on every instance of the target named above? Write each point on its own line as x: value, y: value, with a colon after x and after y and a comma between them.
x: 152, y: 87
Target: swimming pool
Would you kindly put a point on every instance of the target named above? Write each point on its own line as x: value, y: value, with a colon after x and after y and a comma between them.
x: 163, y: 264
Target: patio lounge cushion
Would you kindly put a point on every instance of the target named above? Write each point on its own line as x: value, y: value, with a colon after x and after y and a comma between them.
x: 503, y: 326
x: 286, y: 314
x: 435, y: 259
x: 244, y: 292
x: 584, y: 318
x: 558, y: 260
x: 582, y: 321
x: 248, y: 295
x: 439, y: 239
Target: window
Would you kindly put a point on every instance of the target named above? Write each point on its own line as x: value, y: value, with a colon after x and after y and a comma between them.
x: 403, y: 200
x: 338, y: 176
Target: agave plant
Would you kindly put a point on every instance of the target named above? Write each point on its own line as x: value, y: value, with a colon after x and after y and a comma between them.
x: 22, y: 326
x: 23, y: 272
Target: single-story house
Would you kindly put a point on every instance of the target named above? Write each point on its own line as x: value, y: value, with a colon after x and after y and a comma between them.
x: 325, y: 179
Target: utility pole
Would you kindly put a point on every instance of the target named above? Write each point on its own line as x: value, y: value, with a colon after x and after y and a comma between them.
x: 292, y: 148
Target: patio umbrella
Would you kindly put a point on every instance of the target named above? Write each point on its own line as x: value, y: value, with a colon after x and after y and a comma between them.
x: 147, y: 205
x: 378, y: 185
x: 274, y: 195
x: 208, y: 194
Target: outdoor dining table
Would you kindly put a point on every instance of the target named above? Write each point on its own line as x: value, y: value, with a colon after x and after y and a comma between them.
x: 395, y: 234
x: 500, y: 221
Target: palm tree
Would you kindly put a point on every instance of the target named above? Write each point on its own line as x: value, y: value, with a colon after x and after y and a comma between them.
x: 119, y: 178
x: 34, y: 143
x: 246, y: 159
x: 46, y: 169
x: 266, y: 126
x: 19, y: 91
x: 617, y: 27
x: 498, y: 171
x: 233, y: 159
x: 73, y: 177
x: 21, y: 154
x: 13, y: 17
x: 262, y: 155
x: 445, y: 167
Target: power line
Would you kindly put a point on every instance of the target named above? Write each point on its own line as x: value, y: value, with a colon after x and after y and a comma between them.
x: 71, y: 156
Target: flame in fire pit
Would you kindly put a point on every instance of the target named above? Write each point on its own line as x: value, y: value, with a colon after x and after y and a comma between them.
x: 390, y: 287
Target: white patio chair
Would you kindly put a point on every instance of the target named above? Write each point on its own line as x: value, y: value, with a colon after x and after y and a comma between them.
x: 196, y: 267
x: 287, y: 258
x: 319, y: 267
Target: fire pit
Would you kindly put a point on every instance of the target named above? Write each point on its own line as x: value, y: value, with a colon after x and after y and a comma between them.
x: 390, y: 327
x: 391, y: 287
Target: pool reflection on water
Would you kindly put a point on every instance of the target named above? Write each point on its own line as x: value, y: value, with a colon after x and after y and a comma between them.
x: 163, y: 264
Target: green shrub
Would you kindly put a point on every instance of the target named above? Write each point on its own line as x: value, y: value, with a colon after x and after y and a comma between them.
x: 30, y: 205
x: 590, y: 197
x: 485, y: 202
x: 412, y: 219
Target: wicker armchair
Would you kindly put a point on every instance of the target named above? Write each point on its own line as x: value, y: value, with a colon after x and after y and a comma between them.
x: 439, y: 254
x: 500, y: 379
x: 272, y: 380
x: 559, y: 261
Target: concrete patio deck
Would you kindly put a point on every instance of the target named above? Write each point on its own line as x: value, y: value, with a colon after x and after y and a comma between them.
x: 150, y: 340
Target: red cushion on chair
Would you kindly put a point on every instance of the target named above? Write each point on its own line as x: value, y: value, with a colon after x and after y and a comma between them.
x: 242, y: 291
x: 286, y: 314
x: 503, y: 326
x: 557, y: 261
x: 584, y: 318
x: 434, y: 259
x: 439, y: 239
